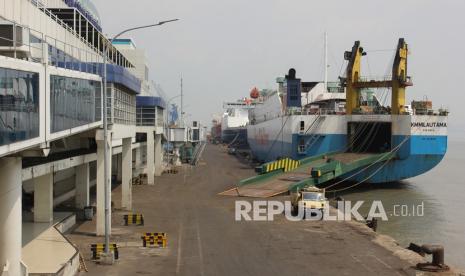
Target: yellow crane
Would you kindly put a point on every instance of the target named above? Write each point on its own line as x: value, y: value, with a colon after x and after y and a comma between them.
x: 398, y: 82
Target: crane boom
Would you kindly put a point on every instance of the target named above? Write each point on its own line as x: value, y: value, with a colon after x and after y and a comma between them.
x: 398, y: 82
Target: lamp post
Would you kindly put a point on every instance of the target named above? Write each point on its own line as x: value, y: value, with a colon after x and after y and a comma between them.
x: 105, y: 129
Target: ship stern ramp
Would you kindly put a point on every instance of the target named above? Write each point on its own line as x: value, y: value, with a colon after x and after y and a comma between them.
x: 311, y: 171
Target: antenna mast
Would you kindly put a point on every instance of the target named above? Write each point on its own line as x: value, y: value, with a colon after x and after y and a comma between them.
x: 182, y: 104
x: 326, y: 62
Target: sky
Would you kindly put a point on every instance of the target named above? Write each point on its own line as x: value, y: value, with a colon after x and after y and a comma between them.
x: 223, y: 48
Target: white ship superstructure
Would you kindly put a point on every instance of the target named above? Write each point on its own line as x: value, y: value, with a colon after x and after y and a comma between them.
x: 234, y: 121
x: 303, y: 119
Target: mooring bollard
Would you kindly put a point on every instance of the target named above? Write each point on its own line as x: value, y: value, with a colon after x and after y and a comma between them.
x: 437, y: 251
x: 373, y: 224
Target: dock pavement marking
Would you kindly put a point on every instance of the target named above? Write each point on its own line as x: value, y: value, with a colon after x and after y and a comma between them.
x: 199, y: 241
x: 178, y: 261
x: 362, y: 264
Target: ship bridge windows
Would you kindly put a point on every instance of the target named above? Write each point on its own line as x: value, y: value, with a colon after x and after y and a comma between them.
x: 370, y: 137
x: 19, y: 106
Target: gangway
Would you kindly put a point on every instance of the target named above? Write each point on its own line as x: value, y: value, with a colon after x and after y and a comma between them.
x: 198, y: 153
x: 275, y: 178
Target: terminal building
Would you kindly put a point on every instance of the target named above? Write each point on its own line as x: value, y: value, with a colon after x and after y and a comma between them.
x: 51, y: 128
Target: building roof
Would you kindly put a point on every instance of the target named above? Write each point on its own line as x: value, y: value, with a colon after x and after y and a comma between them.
x: 120, y: 75
x: 150, y: 101
x: 124, y: 41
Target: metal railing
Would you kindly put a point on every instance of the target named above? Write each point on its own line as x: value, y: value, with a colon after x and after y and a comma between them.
x: 30, y: 44
x: 114, y: 55
x: 54, y: 17
x: 199, y: 149
x: 86, y: 13
x: 315, y: 111
x: 374, y: 78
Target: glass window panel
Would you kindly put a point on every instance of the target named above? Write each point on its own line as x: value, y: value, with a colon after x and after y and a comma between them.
x: 2, y: 82
x: 75, y: 102
x: 19, y: 106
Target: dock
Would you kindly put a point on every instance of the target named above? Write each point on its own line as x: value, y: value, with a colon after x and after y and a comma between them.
x: 205, y: 239
x: 103, y: 173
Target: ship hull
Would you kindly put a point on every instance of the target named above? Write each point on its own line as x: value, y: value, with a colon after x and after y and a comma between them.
x: 420, y: 142
x: 235, y: 136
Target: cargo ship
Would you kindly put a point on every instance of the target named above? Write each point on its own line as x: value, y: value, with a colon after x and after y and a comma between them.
x: 215, y: 131
x: 234, y: 121
x: 304, y: 119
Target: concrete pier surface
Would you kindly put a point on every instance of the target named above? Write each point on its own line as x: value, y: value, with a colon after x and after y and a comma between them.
x: 205, y: 239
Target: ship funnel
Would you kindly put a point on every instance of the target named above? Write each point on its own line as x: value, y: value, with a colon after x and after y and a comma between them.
x: 291, y: 75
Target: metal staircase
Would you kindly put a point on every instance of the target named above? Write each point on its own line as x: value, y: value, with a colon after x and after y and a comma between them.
x: 314, y: 137
x: 198, y: 153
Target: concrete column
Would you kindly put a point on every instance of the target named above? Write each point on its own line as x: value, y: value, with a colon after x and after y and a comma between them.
x: 100, y: 219
x: 119, y: 167
x: 82, y: 186
x: 158, y: 156
x: 150, y: 158
x: 137, y: 158
x: 126, y: 186
x: 10, y: 215
x: 43, y: 198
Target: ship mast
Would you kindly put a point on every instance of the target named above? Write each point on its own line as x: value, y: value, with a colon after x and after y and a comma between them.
x: 326, y: 62
x: 182, y: 104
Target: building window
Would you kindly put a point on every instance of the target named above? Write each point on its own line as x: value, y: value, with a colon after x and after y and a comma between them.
x: 19, y: 106
x: 146, y: 115
x: 302, y: 126
x: 122, y: 109
x: 74, y: 102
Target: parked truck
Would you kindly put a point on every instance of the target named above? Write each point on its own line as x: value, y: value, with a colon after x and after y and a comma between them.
x: 311, y: 198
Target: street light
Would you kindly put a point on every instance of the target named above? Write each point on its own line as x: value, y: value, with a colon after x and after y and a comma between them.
x: 144, y: 27
x: 105, y: 129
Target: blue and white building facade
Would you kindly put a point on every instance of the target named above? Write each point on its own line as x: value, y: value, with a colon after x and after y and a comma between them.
x: 51, y: 92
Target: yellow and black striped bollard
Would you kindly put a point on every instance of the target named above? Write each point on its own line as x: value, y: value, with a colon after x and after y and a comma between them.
x: 99, y: 248
x: 133, y: 219
x: 159, y: 239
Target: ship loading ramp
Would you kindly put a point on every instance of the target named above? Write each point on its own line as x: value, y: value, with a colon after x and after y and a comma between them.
x: 288, y: 175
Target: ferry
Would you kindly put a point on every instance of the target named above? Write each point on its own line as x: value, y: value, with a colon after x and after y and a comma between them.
x: 303, y: 119
x: 234, y: 121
